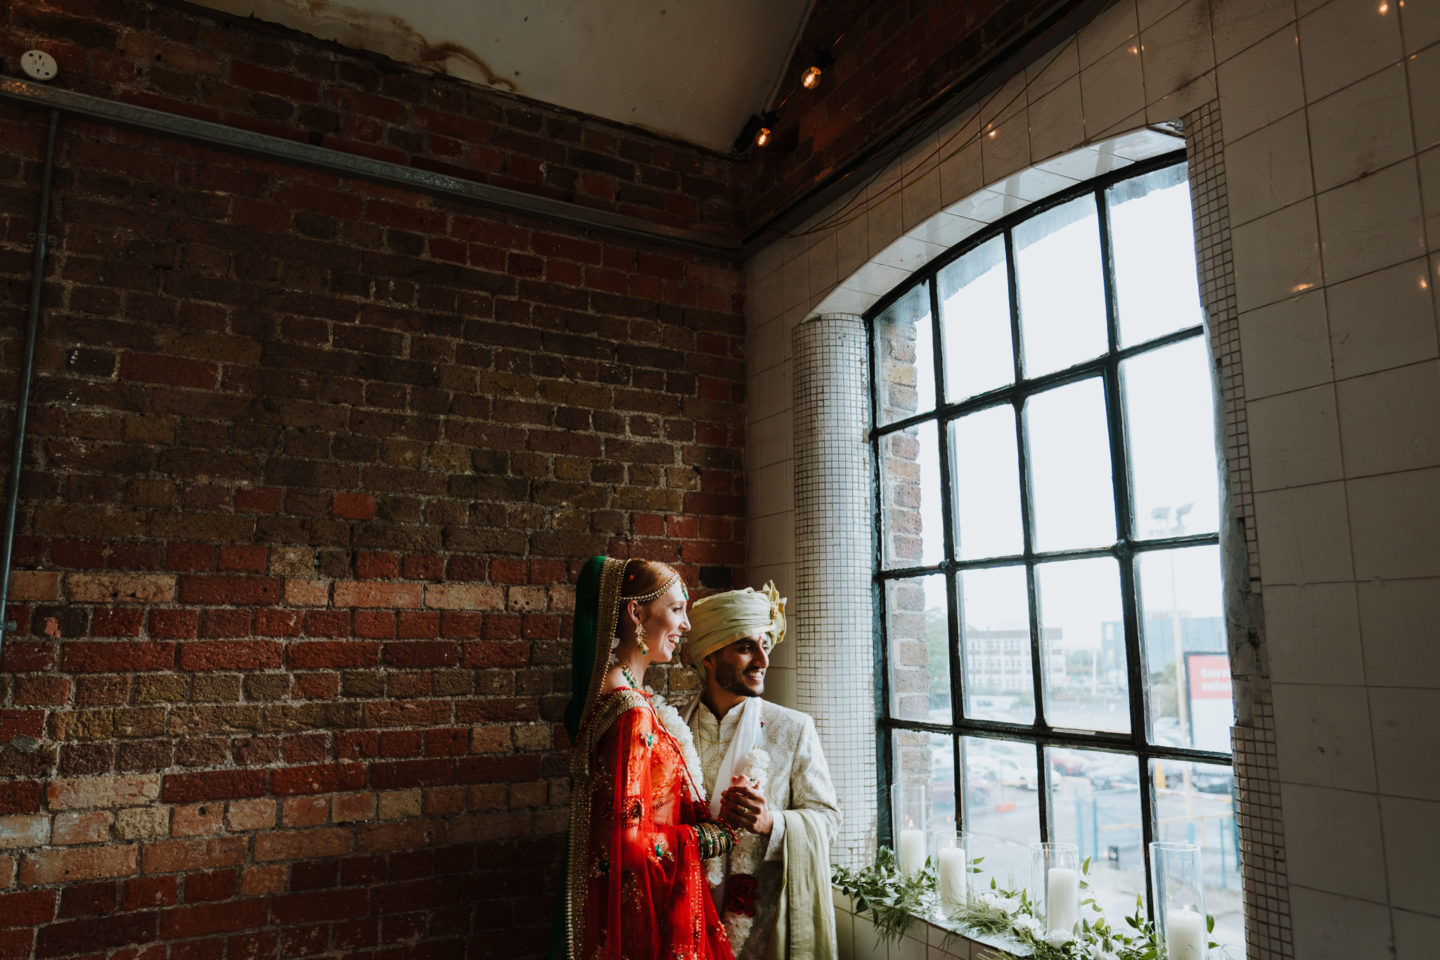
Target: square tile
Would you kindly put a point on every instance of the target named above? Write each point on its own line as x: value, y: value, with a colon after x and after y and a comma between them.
x: 1112, y: 88
x: 1397, y: 629
x: 883, y: 218
x: 1004, y: 104
x: 920, y: 195
x: 1314, y: 633
x: 1294, y: 439
x: 960, y: 169
x: 1390, y: 421
x: 1005, y: 148
x: 1057, y: 121
x: 1303, y: 535
x: 1144, y: 144
x: 946, y: 230
x: 1406, y: 725
x: 1322, y: 736
x: 1245, y: 22
x: 852, y: 243
x: 1419, y: 25
x: 1395, y: 524
x: 1372, y: 223
x: 1176, y: 50
x: 1116, y: 25
x: 1085, y: 163
x: 1333, y: 840
x: 1424, y: 70
x: 1429, y: 163
x: 1327, y: 925
x: 1276, y: 256
x: 795, y: 281
x: 1361, y: 128
x: 1286, y: 345
x: 1346, y: 40
x: 1269, y: 169
x: 1415, y: 935
x: 1261, y: 85
x: 1177, y: 103
x: 1381, y: 320
x: 1412, y: 848
x: 1052, y: 68
x: 824, y: 264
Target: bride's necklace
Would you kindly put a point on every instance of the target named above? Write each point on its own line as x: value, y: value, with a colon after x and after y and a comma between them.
x: 629, y: 677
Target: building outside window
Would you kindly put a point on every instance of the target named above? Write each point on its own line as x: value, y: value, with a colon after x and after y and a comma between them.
x: 1048, y: 568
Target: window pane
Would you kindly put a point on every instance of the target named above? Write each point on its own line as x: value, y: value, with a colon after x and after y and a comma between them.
x: 1068, y: 446
x: 1193, y: 804
x: 927, y: 758
x: 995, y: 638
x: 1062, y: 293
x: 1095, y: 804
x: 910, y: 487
x: 904, y: 358
x: 1077, y: 598
x: 1002, y: 806
x: 919, y: 653
x: 975, y: 320
x: 1170, y: 436
x: 1181, y: 618
x: 1154, y: 249
x: 985, y: 476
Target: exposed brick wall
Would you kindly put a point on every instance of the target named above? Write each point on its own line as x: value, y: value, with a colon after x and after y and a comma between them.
x: 311, y: 468
x: 891, y: 61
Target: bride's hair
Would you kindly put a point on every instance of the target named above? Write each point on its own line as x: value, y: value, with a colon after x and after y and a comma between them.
x: 644, y: 581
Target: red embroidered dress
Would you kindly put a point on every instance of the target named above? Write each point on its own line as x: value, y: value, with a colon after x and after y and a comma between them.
x: 640, y: 891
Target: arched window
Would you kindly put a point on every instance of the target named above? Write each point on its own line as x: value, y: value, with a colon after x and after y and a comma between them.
x: 1048, y: 570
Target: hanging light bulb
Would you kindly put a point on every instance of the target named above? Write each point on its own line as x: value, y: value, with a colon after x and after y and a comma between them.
x: 810, y: 79
x: 762, y: 136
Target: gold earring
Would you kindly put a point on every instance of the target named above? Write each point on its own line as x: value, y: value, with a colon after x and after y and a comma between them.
x: 640, y: 640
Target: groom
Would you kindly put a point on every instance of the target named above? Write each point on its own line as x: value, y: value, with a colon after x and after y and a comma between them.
x: 764, y: 772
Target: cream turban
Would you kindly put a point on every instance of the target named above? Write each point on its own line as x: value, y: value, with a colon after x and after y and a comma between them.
x: 720, y: 620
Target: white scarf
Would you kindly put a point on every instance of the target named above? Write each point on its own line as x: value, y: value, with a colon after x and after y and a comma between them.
x: 747, y: 736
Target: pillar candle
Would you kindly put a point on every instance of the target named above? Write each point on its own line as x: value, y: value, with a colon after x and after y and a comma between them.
x: 1184, y: 935
x: 912, y: 850
x: 954, y: 877
x: 1062, y: 898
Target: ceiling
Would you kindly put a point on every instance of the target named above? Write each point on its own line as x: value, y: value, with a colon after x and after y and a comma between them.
x: 691, y: 69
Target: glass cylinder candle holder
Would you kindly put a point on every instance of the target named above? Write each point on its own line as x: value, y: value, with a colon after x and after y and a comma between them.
x: 909, y: 804
x: 1055, y: 884
x: 1179, y: 898
x: 954, y: 850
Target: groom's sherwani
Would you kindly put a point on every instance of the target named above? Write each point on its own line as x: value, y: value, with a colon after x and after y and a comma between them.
x: 795, y: 858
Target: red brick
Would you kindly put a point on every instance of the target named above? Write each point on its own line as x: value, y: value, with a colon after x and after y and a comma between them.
x: 196, y: 921
x: 215, y: 885
x: 225, y: 623
x: 401, y: 743
x: 44, y: 867
x: 400, y: 774
x: 327, y: 623
x: 321, y: 778
x: 407, y: 713
x: 175, y: 371
x: 41, y: 690
x: 304, y: 811
x: 87, y: 826
x: 376, y: 566
x: 417, y: 653
x: 377, y: 624
x: 278, y: 623
x: 230, y: 590
x: 190, y: 557
x: 32, y: 907
x: 259, y: 500
x: 20, y: 796
x: 197, y: 819
x: 497, y: 654
x: 353, y: 593
x: 120, y: 656
x: 174, y: 624
x: 423, y: 566
x: 351, y: 653
x: 175, y: 856
x: 418, y: 625
x: 142, y: 892
x: 447, y: 743
x: 354, y: 506
x: 302, y: 844
x: 78, y: 554
x: 230, y: 655
x: 213, y: 785
x: 117, y: 622
x: 250, y: 558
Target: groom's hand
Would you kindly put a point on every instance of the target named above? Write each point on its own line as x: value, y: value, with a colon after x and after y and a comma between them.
x: 744, y: 806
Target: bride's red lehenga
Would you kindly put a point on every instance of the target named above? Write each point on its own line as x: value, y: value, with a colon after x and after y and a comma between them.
x: 641, y: 893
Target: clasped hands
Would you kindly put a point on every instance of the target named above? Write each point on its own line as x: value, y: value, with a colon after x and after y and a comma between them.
x: 743, y: 805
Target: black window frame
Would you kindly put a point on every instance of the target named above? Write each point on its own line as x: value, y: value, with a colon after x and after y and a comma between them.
x: 1126, y: 549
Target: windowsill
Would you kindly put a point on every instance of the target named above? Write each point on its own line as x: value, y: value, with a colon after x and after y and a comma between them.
x: 923, y: 939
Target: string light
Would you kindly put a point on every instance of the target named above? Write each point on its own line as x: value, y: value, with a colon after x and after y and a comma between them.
x: 762, y: 136
x: 810, y: 79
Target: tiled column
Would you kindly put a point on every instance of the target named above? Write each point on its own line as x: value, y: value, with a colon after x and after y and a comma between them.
x: 832, y: 608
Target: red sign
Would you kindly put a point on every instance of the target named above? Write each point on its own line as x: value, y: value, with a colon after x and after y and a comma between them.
x: 1209, y: 675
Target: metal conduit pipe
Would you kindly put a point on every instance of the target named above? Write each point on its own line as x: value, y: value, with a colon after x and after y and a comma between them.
x: 27, y: 370
x: 364, y: 168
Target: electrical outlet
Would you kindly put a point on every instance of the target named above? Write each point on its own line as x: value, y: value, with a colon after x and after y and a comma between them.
x: 38, y: 65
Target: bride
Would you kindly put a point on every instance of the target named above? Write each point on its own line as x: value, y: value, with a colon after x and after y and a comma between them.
x: 640, y: 827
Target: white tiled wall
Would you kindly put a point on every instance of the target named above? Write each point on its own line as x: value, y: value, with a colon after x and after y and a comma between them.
x: 1330, y: 113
